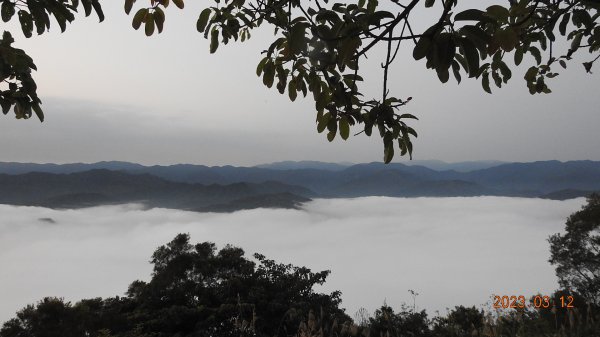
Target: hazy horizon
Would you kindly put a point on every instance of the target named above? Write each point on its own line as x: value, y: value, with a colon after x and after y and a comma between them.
x: 199, y: 163
x: 376, y: 247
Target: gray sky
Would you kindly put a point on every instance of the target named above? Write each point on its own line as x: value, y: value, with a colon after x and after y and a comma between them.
x: 110, y: 93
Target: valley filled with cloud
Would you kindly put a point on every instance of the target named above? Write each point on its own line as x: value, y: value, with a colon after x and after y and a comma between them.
x: 449, y: 250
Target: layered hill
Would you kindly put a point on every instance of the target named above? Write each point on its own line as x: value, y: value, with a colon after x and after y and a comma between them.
x: 104, y: 187
x: 285, y: 184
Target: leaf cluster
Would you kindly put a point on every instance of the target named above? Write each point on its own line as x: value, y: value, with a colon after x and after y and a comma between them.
x: 152, y: 17
x: 15, y: 64
x: 15, y: 72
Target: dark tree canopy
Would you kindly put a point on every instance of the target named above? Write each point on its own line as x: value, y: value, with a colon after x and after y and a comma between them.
x: 407, y: 322
x: 461, y: 321
x: 319, y: 47
x: 195, y: 290
x: 576, y: 253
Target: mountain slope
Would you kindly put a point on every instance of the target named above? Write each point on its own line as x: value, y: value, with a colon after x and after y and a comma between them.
x: 540, y: 177
x: 101, y: 187
x: 536, y: 179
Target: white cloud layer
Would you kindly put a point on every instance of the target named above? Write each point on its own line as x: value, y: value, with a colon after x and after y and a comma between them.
x: 450, y: 250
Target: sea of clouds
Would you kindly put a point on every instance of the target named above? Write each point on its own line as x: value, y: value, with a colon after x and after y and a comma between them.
x: 450, y: 251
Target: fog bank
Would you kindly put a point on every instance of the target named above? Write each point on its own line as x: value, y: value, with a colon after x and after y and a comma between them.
x: 449, y: 250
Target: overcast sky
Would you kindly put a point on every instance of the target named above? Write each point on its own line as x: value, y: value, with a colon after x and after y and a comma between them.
x: 111, y: 93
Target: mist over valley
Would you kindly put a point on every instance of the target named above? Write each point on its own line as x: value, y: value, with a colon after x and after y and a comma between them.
x: 450, y: 250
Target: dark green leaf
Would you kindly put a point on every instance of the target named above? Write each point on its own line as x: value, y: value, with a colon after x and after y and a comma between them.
x: 422, y: 48
x: 411, y: 131
x: 292, y: 92
x: 498, y: 12
x: 149, y: 28
x: 331, y: 135
x: 475, y: 34
x: 322, y: 122
x: 531, y: 74
x: 26, y: 23
x: 40, y: 17
x: 469, y: 15
x: 583, y: 17
x: 372, y: 5
x: 98, y: 9
x: 87, y: 6
x: 5, y: 105
x: 497, y: 79
x: 408, y: 116
x: 128, y: 5
x: 214, y: 44
x: 139, y: 17
x: 563, y: 64
x: 485, y: 83
x: 576, y: 41
x: 8, y: 10
x: 518, y: 56
x: 536, y: 54
x: 261, y: 65
x: 327, y: 15
x: 344, y: 128
x: 321, y: 101
x: 456, y: 71
x: 562, y: 27
x: 38, y: 111
x: 375, y: 18
x: 297, y: 39
x: 443, y: 74
x: 472, y: 57
x: 505, y: 71
x: 178, y: 3
x: 445, y: 50
x: 269, y: 71
x: 507, y: 39
x: 203, y: 19
x: 388, y: 152
x: 159, y: 19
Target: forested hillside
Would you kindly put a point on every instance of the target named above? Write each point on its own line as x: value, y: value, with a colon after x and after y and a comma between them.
x: 229, y: 188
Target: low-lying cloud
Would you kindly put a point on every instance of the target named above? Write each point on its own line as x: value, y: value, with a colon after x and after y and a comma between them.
x: 449, y: 250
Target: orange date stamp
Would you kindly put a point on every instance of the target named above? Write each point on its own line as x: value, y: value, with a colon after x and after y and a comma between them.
x: 537, y: 302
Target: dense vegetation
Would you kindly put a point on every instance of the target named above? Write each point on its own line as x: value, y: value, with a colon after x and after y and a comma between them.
x: 197, y: 290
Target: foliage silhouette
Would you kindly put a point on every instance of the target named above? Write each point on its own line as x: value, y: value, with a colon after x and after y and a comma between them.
x: 576, y: 253
x: 197, y: 290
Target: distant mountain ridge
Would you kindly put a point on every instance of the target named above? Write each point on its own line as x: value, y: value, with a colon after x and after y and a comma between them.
x: 437, y: 165
x: 465, y: 166
x: 20, y: 168
x: 226, y: 188
x: 105, y: 187
x: 305, y: 164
